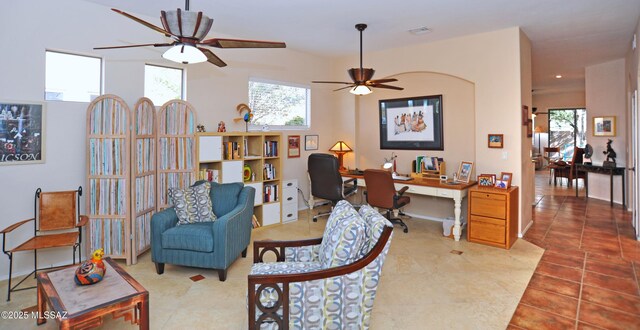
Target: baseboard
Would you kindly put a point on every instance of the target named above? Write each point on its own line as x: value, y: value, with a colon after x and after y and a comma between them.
x: 521, y: 235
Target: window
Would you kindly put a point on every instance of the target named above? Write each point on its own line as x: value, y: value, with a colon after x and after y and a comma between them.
x: 70, y: 77
x: 284, y: 106
x: 162, y: 84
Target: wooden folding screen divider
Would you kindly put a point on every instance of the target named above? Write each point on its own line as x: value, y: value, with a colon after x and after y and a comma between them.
x: 176, y: 148
x: 143, y: 165
x: 108, y: 179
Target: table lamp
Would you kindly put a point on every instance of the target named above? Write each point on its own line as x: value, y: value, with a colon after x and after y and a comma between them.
x: 341, y: 148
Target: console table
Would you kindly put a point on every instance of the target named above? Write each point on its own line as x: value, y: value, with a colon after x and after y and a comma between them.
x: 432, y: 187
x: 611, y: 171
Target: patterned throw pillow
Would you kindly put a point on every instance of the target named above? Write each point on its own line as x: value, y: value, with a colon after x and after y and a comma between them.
x: 343, y: 237
x: 192, y: 204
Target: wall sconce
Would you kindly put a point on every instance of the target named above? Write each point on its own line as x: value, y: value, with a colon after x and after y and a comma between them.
x: 341, y: 148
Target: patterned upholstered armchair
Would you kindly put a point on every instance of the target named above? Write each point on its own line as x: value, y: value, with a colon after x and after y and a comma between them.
x: 328, y: 282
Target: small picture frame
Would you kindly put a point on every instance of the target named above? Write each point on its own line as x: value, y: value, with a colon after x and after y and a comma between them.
x: 525, y: 115
x: 495, y: 140
x: 502, y: 184
x: 506, y: 177
x: 311, y: 142
x: 604, y: 126
x: 464, y: 172
x: 293, y: 143
x: 486, y: 180
x: 529, y: 128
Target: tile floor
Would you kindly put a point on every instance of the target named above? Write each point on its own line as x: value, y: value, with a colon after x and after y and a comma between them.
x: 589, y: 275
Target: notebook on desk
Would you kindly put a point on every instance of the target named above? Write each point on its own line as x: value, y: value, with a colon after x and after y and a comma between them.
x: 401, y: 178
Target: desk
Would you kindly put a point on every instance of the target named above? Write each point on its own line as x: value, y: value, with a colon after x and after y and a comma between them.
x: 601, y: 170
x: 432, y: 187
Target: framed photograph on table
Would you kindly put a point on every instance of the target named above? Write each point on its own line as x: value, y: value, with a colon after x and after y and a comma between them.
x: 486, y: 180
x: 496, y: 141
x: 21, y: 133
x: 604, y: 126
x: 413, y: 123
x: 501, y: 184
x: 293, y: 146
x: 464, y: 172
x: 311, y: 142
x: 506, y: 177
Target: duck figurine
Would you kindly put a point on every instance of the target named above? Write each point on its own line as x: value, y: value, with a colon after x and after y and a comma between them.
x: 91, y: 271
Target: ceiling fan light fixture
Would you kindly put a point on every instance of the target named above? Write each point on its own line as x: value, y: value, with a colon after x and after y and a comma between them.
x: 185, y: 54
x: 360, y: 90
x: 185, y: 23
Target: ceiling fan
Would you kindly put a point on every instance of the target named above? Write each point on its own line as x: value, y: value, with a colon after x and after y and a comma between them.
x: 188, y: 29
x: 361, y: 77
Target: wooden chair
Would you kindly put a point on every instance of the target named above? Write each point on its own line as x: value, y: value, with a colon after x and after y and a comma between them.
x: 547, y: 155
x: 56, y: 223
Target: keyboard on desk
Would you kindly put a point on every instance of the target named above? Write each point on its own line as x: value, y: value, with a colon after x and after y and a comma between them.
x: 401, y: 178
x: 355, y: 172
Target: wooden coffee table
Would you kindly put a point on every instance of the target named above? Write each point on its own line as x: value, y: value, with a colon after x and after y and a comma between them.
x: 81, y: 307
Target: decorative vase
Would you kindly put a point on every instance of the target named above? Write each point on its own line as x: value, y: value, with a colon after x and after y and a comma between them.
x: 91, y: 271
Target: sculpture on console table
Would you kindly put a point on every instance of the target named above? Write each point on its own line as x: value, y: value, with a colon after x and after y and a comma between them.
x: 611, y: 156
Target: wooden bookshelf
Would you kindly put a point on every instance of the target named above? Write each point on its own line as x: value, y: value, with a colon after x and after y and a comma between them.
x: 176, y: 149
x: 143, y: 166
x: 108, y: 180
x: 223, y: 157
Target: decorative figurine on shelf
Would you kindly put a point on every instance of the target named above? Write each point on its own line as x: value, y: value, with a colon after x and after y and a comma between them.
x: 611, y: 156
x: 200, y: 128
x: 246, y: 117
x: 222, y: 127
x: 91, y: 271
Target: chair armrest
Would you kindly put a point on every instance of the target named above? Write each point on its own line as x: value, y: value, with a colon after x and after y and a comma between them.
x: 349, y: 180
x: 83, y: 221
x: 232, y: 231
x: 277, y: 247
x: 401, y: 191
x: 15, y: 225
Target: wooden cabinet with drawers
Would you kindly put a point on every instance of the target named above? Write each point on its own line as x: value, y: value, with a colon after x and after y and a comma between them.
x: 493, y: 216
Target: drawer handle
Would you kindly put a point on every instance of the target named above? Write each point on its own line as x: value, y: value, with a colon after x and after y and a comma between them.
x: 290, y: 198
x: 289, y: 215
x: 289, y: 184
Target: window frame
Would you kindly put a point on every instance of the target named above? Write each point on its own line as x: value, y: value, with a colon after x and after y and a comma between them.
x: 66, y: 52
x: 306, y: 127
x: 183, y: 80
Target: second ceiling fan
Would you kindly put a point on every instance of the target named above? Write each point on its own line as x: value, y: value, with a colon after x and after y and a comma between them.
x: 362, y: 82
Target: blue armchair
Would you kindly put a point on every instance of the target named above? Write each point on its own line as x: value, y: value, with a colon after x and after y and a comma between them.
x: 214, y: 244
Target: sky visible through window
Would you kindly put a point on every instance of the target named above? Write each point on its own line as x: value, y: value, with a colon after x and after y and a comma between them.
x: 278, y: 104
x: 162, y: 84
x: 71, y: 77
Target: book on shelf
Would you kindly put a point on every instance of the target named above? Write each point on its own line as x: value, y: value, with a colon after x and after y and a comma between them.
x: 269, y: 171
x: 271, y: 148
x: 270, y: 193
x: 254, y: 221
x: 208, y: 174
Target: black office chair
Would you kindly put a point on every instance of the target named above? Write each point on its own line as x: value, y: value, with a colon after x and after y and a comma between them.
x: 381, y: 193
x: 326, y: 181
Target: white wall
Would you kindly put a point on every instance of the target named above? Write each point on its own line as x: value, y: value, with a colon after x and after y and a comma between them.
x: 78, y: 26
x: 492, y: 62
x: 605, y: 96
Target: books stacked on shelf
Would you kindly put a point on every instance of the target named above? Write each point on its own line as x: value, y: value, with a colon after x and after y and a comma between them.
x: 269, y: 172
x: 254, y: 222
x: 270, y: 192
x: 245, y: 143
x: 209, y: 175
x: 271, y: 148
x: 231, y: 150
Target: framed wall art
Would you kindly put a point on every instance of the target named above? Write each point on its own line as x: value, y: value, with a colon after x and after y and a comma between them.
x: 293, y: 150
x: 496, y: 140
x: 21, y: 133
x: 604, y: 126
x: 525, y: 115
x: 311, y: 142
x: 413, y: 123
x: 529, y: 128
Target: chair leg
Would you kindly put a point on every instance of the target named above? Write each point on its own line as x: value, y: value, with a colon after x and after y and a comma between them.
x: 10, y: 269
x: 159, y: 268
x: 222, y: 275
x: 244, y: 253
x: 397, y: 221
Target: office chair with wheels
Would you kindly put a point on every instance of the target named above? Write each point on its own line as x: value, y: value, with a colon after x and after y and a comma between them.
x: 381, y: 193
x: 326, y: 181
x: 56, y: 223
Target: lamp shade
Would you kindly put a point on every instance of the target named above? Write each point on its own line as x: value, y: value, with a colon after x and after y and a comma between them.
x: 340, y: 146
x: 360, y: 90
x: 538, y: 129
x: 185, y: 54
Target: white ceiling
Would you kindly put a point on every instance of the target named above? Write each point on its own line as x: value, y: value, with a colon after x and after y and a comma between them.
x: 566, y: 35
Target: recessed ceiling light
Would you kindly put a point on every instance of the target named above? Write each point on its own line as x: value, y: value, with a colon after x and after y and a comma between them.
x: 558, y: 76
x: 420, y: 30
